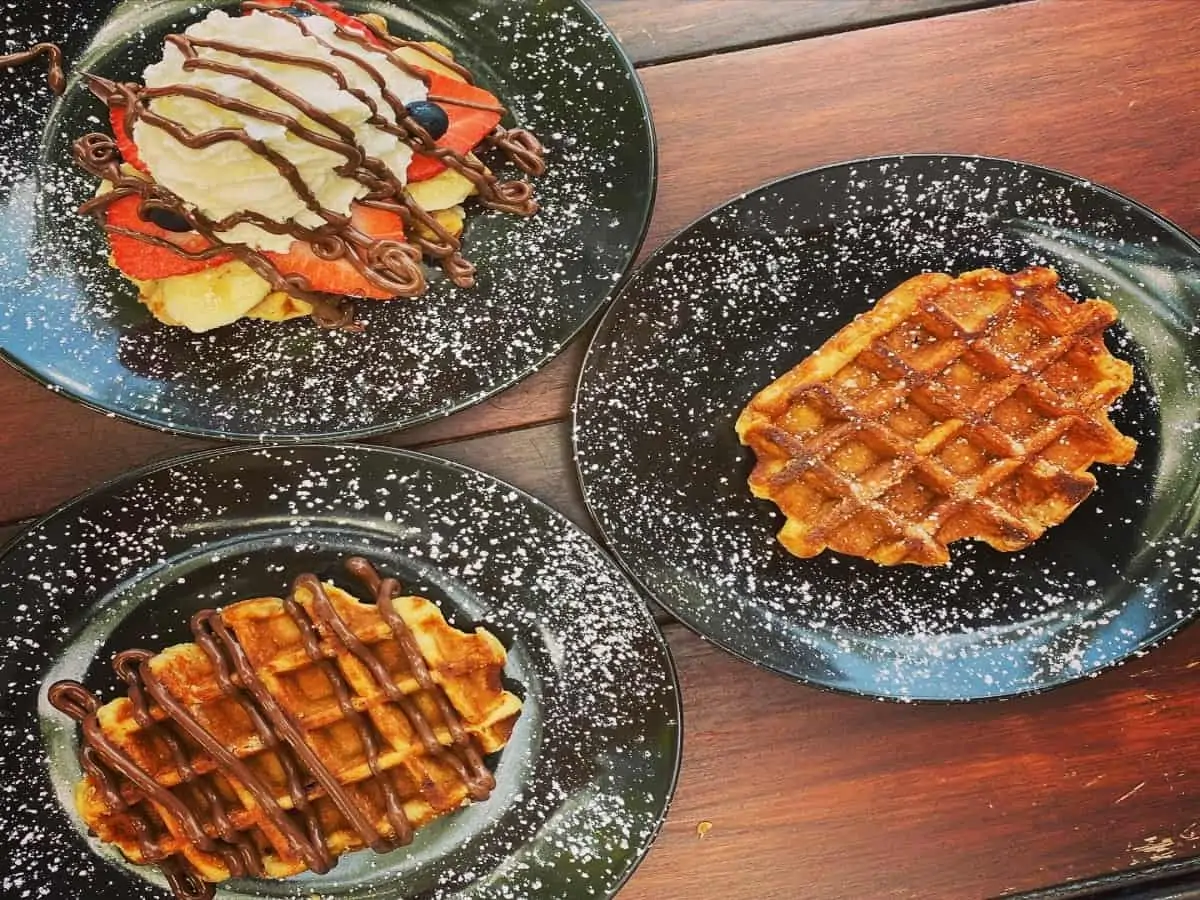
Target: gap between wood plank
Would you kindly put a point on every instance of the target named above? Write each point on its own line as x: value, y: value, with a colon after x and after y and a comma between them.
x: 430, y: 446
x: 395, y: 442
x: 651, y: 45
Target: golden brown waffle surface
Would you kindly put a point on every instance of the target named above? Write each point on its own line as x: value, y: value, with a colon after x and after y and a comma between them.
x: 291, y: 731
x: 955, y: 408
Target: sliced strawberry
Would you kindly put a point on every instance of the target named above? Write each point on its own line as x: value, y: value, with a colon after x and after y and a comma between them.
x: 345, y: 20
x: 129, y: 151
x: 378, y: 223
x: 144, y: 261
x: 339, y: 276
x: 468, y: 126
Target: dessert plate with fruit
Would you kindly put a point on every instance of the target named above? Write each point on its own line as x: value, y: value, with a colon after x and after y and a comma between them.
x: 276, y: 219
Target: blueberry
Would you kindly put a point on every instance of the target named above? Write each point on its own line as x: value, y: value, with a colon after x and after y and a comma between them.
x: 166, y: 219
x: 296, y: 12
x: 430, y: 116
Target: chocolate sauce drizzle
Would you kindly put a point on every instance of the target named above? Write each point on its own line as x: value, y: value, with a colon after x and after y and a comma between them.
x: 54, y: 67
x: 194, y: 801
x: 394, y: 266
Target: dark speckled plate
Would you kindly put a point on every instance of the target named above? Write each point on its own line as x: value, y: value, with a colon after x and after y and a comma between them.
x: 749, y: 291
x: 581, y: 787
x: 70, y: 321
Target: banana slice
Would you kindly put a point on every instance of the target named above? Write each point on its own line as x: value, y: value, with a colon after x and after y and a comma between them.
x: 451, y: 219
x: 425, y: 61
x: 376, y: 21
x: 205, y: 300
x: 416, y: 57
x: 279, y: 307
x: 443, y: 191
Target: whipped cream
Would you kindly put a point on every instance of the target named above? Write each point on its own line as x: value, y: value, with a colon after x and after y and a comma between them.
x: 228, y: 177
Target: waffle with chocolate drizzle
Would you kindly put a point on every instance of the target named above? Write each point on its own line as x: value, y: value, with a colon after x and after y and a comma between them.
x: 290, y: 731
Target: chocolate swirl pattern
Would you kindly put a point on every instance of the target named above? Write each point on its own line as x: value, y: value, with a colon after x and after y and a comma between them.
x: 389, y: 265
x: 290, y: 731
x: 55, y: 76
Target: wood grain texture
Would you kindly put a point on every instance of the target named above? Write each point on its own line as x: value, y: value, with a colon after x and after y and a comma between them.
x: 54, y: 448
x: 536, y: 460
x: 539, y: 398
x: 1068, y: 84
x: 1064, y: 83
x: 655, y: 31
x: 817, y: 795
x: 89, y: 447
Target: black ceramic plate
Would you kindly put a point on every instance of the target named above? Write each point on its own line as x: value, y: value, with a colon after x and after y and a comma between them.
x: 747, y: 292
x: 583, y: 784
x: 72, y: 322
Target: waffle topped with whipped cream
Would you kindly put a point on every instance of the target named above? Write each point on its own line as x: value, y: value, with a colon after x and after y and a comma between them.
x: 286, y: 160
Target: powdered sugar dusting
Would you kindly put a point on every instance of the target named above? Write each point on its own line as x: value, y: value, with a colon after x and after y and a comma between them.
x: 75, y: 323
x: 585, y: 779
x: 751, y: 290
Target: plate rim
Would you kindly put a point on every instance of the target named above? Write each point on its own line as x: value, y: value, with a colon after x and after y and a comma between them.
x: 426, y: 459
x: 604, y: 329
x: 625, y: 270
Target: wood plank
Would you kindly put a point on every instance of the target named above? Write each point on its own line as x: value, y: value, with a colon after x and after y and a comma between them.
x: 656, y: 31
x: 96, y: 447
x: 87, y: 448
x: 536, y: 460
x: 54, y: 448
x: 541, y: 397
x: 1060, y: 83
x: 813, y: 794
x: 954, y: 83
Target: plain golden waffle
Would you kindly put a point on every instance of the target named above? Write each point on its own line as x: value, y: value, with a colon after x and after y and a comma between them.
x: 955, y: 408
x: 370, y: 747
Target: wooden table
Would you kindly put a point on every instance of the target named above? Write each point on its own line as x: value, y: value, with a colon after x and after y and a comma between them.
x: 811, y: 794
